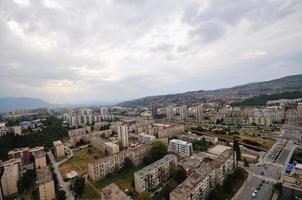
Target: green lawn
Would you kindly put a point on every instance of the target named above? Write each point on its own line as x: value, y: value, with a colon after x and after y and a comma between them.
x: 124, y: 179
x: 297, y: 155
x: 79, y: 161
x: 90, y: 193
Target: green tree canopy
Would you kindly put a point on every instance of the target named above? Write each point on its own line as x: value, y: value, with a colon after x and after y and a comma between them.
x: 79, y: 185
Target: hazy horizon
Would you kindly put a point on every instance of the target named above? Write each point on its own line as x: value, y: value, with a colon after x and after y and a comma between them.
x: 116, y: 50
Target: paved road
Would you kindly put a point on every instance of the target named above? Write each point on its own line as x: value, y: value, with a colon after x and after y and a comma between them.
x: 269, y: 170
x: 65, y: 185
x: 263, y: 194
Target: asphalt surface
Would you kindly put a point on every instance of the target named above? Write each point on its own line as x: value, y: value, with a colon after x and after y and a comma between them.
x: 263, y: 194
x: 269, y: 170
x: 65, y: 185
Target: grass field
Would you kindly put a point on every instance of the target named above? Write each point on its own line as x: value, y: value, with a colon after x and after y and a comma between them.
x: 297, y: 155
x: 90, y: 193
x: 264, y: 143
x: 124, y: 179
x: 79, y: 161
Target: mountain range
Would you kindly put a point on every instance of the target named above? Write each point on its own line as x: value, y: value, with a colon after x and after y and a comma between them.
x: 14, y: 103
x: 233, y: 94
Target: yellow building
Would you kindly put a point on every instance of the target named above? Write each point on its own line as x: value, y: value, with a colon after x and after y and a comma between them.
x: 9, y: 180
x: 40, y: 160
x: 59, y: 148
x: 45, y: 184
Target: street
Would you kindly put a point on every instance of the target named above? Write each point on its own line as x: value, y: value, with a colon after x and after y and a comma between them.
x: 65, y: 185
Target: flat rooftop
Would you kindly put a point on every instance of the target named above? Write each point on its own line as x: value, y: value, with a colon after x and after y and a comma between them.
x: 219, y: 149
x: 112, y: 191
x: 57, y: 143
x: 10, y: 171
x: 43, y: 175
x: 155, y: 165
x: 181, y: 142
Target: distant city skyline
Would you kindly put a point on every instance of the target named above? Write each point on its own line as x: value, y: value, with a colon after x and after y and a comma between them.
x: 117, y: 50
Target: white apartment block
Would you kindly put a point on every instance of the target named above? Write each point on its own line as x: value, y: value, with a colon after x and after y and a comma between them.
x: 200, y: 183
x: 146, y: 138
x: 123, y: 136
x: 98, y: 169
x: 3, y: 129
x: 155, y: 174
x: 104, y: 112
x: 181, y: 147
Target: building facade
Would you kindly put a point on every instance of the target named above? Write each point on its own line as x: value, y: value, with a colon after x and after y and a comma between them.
x: 45, y: 184
x: 155, y: 174
x: 181, y: 147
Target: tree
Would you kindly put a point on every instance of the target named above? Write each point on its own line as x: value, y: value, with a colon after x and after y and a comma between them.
x: 79, y: 185
x: 61, y: 195
x: 236, y: 148
x: 246, y: 163
x: 28, y: 179
x: 179, y: 174
x: 128, y: 163
x: 144, y: 196
x: 157, y: 151
x: 106, y: 152
x: 278, y: 187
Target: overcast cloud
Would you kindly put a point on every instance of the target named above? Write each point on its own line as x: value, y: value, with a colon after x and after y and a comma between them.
x: 112, y: 50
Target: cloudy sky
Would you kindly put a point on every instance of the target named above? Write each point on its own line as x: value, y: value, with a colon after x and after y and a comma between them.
x: 75, y: 51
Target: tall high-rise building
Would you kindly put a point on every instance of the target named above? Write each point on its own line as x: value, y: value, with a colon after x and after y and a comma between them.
x: 183, y: 113
x: 154, y: 111
x: 169, y: 112
x: 123, y: 137
x: 45, y: 184
x: 104, y: 112
x: 199, y: 113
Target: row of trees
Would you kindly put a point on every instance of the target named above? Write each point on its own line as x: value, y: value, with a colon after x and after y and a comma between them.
x: 53, y: 131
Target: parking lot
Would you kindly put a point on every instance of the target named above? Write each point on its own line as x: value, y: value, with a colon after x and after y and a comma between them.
x: 264, y: 192
x: 275, y: 152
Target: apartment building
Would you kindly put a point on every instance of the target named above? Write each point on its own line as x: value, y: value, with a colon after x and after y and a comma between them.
x: 79, y: 134
x: 38, y: 149
x: 169, y: 113
x: 113, y: 192
x: 98, y: 169
x: 22, y: 153
x: 183, y: 113
x: 45, y: 184
x: 181, y: 147
x: 40, y: 160
x: 123, y: 136
x: 155, y: 174
x: 146, y: 138
x: 104, y: 112
x: 3, y: 129
x: 164, y: 130
x: 59, y: 148
x: 199, y: 113
x: 10, y: 179
x: 101, y: 145
x: 200, y: 183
